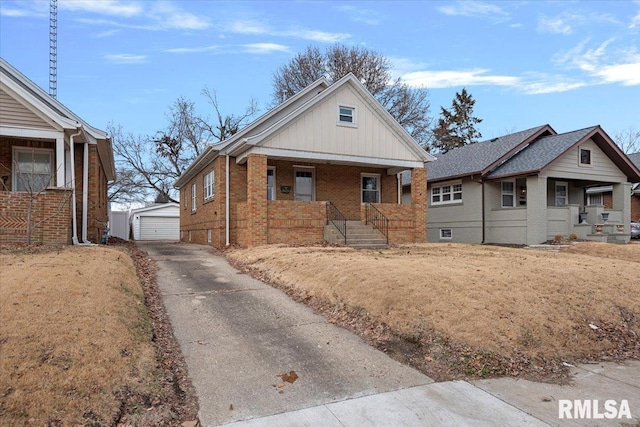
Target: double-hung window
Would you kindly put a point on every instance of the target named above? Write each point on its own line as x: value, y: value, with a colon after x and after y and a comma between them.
x: 370, y: 185
x: 194, y: 195
x: 446, y: 193
x: 347, y: 115
x: 508, y: 194
x: 562, y: 193
x: 33, y: 169
x: 209, y: 185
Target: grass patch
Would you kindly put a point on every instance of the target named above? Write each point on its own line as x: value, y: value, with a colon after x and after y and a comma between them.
x: 468, y: 310
x: 75, y: 338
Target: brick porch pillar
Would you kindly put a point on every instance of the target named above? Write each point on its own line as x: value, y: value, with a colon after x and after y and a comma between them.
x: 256, y: 199
x: 419, y: 203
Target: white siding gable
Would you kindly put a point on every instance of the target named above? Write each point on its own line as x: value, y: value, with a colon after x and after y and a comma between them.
x: 14, y: 114
x: 601, y: 169
x: 317, y: 130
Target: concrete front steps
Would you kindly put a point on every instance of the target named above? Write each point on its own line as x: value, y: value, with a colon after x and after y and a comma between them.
x: 359, y: 236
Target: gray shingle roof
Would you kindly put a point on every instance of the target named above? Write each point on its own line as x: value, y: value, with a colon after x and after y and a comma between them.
x: 635, y: 159
x: 474, y: 158
x: 540, y: 153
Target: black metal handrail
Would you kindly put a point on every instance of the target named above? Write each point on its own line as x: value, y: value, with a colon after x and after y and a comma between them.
x: 377, y: 220
x: 337, y: 218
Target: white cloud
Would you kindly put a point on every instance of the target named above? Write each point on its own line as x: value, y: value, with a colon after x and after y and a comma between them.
x: 627, y: 74
x: 253, y: 48
x: 475, y: 9
x: 451, y: 78
x: 193, y: 49
x: 635, y: 21
x: 366, y: 16
x: 169, y: 16
x: 125, y: 58
x: 264, y: 48
x: 103, y: 7
x: 249, y: 27
x: 554, y: 26
x: 567, y: 22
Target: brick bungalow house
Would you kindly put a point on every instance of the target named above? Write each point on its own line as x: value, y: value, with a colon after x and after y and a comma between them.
x: 331, y: 152
x: 53, y: 161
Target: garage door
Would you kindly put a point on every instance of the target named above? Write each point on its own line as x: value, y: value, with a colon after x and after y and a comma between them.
x: 159, y: 228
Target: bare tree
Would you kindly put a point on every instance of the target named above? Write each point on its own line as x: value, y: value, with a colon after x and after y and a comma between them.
x: 409, y: 106
x: 628, y: 139
x: 148, y: 166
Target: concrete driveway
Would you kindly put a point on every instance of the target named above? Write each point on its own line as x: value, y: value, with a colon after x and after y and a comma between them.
x: 239, y: 336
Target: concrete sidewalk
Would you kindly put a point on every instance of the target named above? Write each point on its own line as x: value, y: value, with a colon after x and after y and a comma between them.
x: 238, y: 334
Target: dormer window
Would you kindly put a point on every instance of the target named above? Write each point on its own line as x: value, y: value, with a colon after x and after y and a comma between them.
x: 347, y: 115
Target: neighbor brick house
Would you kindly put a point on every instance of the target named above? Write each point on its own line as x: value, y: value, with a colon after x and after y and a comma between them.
x: 329, y: 151
x: 53, y: 161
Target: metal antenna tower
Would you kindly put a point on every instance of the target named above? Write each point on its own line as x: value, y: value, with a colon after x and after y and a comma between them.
x: 53, y: 48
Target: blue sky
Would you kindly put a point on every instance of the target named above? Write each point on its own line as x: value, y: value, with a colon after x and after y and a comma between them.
x: 569, y: 64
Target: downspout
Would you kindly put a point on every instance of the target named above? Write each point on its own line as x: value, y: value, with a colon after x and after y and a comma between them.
x: 85, y: 191
x: 399, y: 185
x: 226, y: 200
x: 74, y: 222
x: 483, y: 220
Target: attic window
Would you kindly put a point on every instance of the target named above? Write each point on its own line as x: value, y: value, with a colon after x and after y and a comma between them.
x: 347, y: 115
x: 585, y: 157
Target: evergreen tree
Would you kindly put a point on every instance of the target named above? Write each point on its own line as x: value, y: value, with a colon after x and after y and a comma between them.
x: 456, y: 127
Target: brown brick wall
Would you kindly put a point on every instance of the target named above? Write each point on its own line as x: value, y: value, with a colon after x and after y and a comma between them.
x: 296, y: 222
x: 635, y: 207
x: 51, y: 217
x: 419, y: 203
x: 257, y: 199
x: 401, y: 223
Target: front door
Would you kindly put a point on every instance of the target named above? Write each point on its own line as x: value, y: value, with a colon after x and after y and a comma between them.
x: 304, y: 184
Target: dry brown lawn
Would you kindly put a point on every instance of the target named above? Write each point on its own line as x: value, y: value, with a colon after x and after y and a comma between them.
x: 494, y: 299
x: 75, y: 338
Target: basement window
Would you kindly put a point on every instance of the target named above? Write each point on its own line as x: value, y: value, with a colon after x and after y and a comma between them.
x: 446, y: 234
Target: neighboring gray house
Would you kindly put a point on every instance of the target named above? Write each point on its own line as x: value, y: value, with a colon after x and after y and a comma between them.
x: 528, y: 187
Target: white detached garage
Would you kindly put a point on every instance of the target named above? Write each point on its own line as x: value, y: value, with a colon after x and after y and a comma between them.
x: 159, y: 222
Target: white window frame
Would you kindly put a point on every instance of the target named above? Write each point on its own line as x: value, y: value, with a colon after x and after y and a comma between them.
x: 194, y: 195
x: 273, y: 188
x: 15, y: 173
x: 442, y: 234
x: 439, y: 192
x: 511, y: 193
x: 580, y: 163
x: 592, y: 202
x: 209, y: 184
x: 378, y: 190
x: 354, y: 115
x: 566, y: 197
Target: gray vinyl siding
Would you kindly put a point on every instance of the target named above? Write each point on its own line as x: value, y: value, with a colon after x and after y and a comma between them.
x: 13, y: 113
x: 464, y: 219
x: 601, y: 169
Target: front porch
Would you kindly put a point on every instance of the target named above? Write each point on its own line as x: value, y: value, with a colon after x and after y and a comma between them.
x: 294, y: 207
x: 539, y: 209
